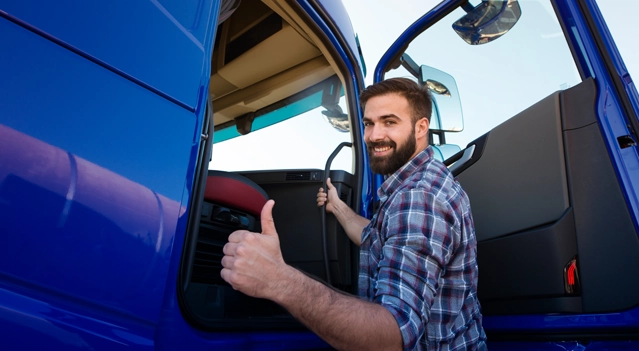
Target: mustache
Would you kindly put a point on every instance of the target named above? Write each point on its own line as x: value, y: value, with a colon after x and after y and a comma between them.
x: 373, y: 144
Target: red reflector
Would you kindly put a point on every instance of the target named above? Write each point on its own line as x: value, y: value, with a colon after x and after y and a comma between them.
x: 571, y: 273
x: 571, y: 277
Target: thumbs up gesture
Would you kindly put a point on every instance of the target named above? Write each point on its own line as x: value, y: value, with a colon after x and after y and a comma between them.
x: 253, y: 262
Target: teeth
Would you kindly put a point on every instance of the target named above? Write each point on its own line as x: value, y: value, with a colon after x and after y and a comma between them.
x: 382, y: 149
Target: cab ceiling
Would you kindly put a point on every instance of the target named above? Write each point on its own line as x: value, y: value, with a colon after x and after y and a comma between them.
x: 262, y: 55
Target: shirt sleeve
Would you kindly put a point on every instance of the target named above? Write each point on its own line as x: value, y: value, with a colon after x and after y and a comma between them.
x: 420, y: 240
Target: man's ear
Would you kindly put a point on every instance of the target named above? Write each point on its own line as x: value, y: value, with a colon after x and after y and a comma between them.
x: 421, y: 127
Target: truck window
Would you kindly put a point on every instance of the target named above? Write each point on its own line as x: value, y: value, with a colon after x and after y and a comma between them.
x: 499, y: 79
x: 295, y: 134
x: 618, y: 19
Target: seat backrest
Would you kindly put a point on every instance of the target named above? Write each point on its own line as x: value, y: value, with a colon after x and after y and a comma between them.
x: 235, y: 191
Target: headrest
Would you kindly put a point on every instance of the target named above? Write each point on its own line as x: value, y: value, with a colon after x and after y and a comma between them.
x: 235, y: 191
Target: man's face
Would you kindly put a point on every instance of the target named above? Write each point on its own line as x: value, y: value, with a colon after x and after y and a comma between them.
x: 389, y: 133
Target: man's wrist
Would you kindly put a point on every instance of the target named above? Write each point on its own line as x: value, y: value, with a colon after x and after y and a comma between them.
x: 283, y: 286
x: 341, y: 210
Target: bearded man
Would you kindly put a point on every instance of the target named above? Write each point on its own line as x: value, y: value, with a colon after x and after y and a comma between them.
x: 418, y: 269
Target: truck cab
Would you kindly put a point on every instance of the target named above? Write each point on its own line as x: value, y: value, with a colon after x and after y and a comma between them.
x: 135, y: 137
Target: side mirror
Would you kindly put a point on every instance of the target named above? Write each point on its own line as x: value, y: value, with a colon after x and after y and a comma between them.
x: 447, y: 112
x: 487, y: 21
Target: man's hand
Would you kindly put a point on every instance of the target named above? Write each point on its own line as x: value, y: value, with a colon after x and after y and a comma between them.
x: 352, y: 223
x: 253, y: 262
x: 333, y: 198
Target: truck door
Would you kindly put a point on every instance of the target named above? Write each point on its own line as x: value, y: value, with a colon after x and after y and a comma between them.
x: 545, y: 115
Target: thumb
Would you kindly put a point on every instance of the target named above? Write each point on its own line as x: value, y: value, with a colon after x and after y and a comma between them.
x: 268, y: 225
x: 329, y: 185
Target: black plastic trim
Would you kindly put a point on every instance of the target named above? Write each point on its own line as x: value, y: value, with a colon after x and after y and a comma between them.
x: 480, y: 144
x: 190, y: 244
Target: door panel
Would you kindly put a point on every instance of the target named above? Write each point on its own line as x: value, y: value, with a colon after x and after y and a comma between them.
x: 298, y: 221
x: 523, y: 271
x: 521, y: 172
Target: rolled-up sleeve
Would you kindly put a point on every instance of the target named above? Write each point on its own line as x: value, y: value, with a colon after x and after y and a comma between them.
x: 420, y: 242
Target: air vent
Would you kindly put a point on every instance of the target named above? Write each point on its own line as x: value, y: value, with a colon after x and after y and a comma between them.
x: 298, y: 176
x: 207, y: 263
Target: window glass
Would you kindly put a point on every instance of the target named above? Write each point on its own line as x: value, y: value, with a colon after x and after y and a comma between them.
x: 301, y: 139
x: 618, y: 15
x: 501, y: 78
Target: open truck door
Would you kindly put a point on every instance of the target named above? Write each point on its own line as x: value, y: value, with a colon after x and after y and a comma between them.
x: 548, y: 158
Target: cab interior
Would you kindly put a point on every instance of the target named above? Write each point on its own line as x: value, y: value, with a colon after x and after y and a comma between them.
x: 265, y: 55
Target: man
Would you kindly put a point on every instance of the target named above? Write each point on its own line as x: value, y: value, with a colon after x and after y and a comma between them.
x: 418, y: 270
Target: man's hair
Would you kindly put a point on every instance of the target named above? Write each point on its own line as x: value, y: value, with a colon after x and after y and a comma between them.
x: 418, y: 97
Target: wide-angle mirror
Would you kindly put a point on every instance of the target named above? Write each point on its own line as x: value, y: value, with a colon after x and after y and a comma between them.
x: 447, y: 112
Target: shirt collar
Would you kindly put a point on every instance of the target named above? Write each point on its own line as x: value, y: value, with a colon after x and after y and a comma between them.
x: 396, y: 179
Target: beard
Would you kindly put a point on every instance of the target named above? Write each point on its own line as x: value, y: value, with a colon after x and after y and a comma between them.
x: 389, y: 164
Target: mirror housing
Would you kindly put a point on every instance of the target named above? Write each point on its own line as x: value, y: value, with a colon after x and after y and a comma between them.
x: 337, y: 119
x: 447, y: 112
x: 330, y: 101
x: 487, y: 21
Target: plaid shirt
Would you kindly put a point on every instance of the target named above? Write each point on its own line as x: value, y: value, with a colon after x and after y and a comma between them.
x: 418, y: 258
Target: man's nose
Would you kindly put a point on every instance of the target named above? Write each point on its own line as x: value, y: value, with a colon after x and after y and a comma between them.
x: 376, y: 133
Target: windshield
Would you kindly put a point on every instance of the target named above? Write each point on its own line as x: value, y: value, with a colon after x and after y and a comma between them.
x: 291, y: 134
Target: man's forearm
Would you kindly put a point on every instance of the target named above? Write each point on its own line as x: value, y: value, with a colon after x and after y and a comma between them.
x: 344, y: 321
x: 352, y: 223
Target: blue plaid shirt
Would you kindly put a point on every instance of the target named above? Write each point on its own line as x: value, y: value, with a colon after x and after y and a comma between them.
x: 418, y: 258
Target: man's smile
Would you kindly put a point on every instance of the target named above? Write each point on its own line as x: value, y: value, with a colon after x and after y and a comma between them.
x: 381, y: 150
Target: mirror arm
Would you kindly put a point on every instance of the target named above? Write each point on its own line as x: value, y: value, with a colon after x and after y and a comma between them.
x: 466, y: 6
x: 331, y: 93
x: 440, y: 133
x: 410, y: 65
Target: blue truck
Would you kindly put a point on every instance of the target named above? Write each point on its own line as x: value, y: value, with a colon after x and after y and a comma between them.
x: 136, y: 135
